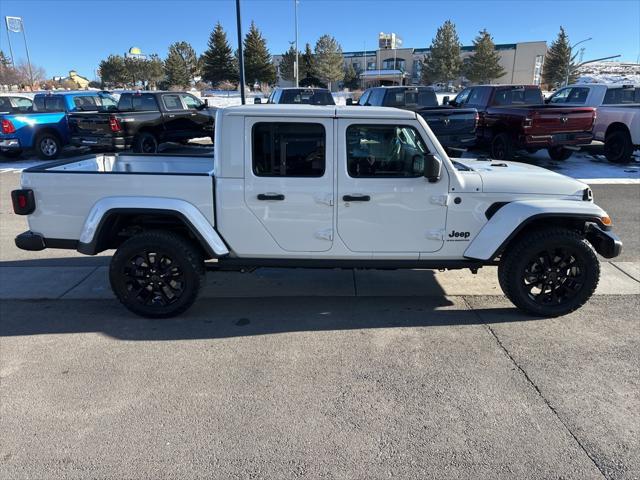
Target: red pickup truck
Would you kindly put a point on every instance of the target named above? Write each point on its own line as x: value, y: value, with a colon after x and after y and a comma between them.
x: 514, y: 117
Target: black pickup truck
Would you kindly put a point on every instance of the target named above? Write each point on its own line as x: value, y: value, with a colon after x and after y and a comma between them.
x: 454, y: 127
x: 142, y: 121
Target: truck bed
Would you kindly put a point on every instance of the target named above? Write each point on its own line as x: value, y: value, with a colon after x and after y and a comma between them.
x: 70, y: 189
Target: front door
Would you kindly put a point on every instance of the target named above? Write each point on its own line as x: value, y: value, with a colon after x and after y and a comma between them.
x: 177, y: 119
x: 289, y: 181
x: 385, y: 205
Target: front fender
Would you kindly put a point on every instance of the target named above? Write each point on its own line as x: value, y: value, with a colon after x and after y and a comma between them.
x: 514, y: 216
x: 195, y: 220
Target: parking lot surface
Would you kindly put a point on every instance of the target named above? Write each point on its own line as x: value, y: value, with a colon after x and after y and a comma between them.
x: 316, y: 374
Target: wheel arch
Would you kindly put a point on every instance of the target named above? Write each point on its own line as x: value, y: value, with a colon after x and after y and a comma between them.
x: 518, y: 218
x: 113, y: 220
x: 617, y: 127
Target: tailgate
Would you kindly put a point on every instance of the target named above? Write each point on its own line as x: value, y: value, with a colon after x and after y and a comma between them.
x: 451, y: 121
x: 90, y: 123
x: 561, y: 120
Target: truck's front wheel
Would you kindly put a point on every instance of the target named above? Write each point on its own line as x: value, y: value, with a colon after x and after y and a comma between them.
x: 157, y: 274
x: 549, y: 272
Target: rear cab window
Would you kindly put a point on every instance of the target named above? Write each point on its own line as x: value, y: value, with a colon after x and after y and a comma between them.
x: 410, y: 97
x: 284, y: 149
x: 517, y: 96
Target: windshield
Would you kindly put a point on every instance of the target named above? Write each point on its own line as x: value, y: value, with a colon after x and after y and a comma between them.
x: 518, y: 96
x: 308, y: 97
x: 414, y: 97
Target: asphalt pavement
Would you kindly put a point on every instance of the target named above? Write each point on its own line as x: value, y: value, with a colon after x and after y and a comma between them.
x: 323, y: 374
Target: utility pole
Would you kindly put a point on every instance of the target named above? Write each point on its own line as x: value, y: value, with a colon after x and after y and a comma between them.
x: 240, y: 54
x: 566, y: 80
x: 296, y: 70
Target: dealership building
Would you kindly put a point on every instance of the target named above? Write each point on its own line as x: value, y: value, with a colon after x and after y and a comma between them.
x: 392, y: 64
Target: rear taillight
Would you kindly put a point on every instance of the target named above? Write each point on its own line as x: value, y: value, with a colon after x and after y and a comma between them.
x: 593, y: 121
x: 23, y: 201
x: 527, y: 122
x: 7, y: 126
x: 114, y: 123
x: 477, y: 119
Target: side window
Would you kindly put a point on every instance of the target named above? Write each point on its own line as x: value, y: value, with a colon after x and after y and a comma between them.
x: 172, y: 102
x: 560, y: 96
x: 144, y: 103
x: 190, y: 101
x: 384, y: 151
x: 578, y: 95
x: 377, y: 96
x: 54, y: 103
x: 288, y: 149
x: 621, y: 95
x: 364, y: 98
x: 463, y: 96
x: 38, y: 104
x: 23, y: 104
x: 475, y: 97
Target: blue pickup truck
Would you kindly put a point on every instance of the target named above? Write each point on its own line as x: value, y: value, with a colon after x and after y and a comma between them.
x: 44, y: 127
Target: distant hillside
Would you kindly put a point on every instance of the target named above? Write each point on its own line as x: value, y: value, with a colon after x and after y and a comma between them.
x: 610, y: 72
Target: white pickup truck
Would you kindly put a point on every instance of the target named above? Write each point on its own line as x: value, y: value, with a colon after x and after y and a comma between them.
x: 321, y: 187
x: 617, y: 121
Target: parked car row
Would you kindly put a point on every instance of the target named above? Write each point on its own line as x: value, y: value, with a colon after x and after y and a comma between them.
x: 137, y: 120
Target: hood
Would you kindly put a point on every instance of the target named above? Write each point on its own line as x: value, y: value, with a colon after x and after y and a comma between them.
x: 499, y: 176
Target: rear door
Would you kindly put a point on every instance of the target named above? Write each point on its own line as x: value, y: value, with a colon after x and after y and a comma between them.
x: 385, y: 205
x: 289, y: 180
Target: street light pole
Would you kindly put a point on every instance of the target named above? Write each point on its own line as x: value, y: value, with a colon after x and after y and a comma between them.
x: 240, y: 54
x: 570, y: 59
x: 297, y: 70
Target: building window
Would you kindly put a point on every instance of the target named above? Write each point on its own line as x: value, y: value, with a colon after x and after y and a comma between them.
x: 288, y: 149
x: 371, y: 65
x: 356, y: 66
x: 390, y: 64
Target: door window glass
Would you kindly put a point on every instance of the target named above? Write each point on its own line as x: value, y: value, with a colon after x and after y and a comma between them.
x: 144, y: 103
x: 190, y: 101
x: 364, y: 98
x: 384, y: 151
x: 578, y: 95
x: 172, y: 102
x: 462, y: 96
x: 288, y: 149
x: 560, y: 96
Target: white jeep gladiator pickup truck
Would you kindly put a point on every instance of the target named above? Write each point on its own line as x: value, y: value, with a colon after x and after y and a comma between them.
x: 322, y: 187
x: 617, y: 122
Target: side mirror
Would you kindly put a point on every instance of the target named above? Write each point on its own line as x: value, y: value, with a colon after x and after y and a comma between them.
x: 445, y: 100
x: 432, y: 168
x: 349, y: 101
x: 257, y: 100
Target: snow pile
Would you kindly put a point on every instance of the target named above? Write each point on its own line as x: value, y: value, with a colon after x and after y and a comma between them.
x: 609, y: 72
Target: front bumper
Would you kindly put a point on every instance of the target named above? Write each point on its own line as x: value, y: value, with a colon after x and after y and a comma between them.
x: 606, y: 243
x: 10, y: 144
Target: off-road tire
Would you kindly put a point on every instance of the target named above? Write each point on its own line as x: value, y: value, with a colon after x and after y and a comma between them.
x: 132, y: 287
x: 502, y: 147
x: 526, y: 249
x: 559, y: 154
x: 47, y: 146
x: 618, y: 147
x: 145, y: 142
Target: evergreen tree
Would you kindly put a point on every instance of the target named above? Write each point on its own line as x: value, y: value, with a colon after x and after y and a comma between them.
x: 113, y: 72
x: 558, y: 60
x: 218, y: 63
x: 153, y: 71
x: 287, y: 64
x: 307, y: 66
x: 257, y: 59
x: 484, y: 65
x: 329, y: 64
x: 351, y: 78
x: 443, y: 63
x: 181, y: 65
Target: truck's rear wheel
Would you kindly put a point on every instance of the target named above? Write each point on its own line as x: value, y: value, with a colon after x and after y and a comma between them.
x: 502, y: 147
x: 549, y: 272
x: 559, y: 153
x: 618, y: 147
x: 157, y: 274
x: 145, y: 142
x: 48, y: 146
